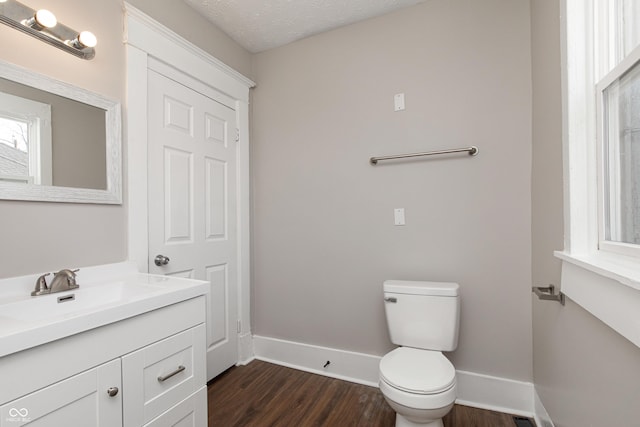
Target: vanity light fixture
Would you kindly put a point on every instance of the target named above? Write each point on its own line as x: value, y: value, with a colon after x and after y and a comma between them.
x: 43, y: 25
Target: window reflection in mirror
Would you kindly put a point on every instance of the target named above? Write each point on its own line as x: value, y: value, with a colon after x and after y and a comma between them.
x: 25, y: 140
x: 14, y: 151
x: 50, y: 140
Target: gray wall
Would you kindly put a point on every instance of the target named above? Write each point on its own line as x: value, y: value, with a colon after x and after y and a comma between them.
x: 584, y: 372
x: 324, y: 238
x: 39, y: 237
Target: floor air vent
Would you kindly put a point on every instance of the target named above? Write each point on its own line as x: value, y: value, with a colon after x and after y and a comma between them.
x: 523, y: 422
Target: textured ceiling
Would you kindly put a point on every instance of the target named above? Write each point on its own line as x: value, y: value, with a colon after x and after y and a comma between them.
x: 260, y: 25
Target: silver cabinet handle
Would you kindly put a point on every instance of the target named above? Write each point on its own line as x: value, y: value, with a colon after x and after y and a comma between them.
x: 391, y: 299
x: 161, y: 260
x: 166, y: 377
x: 112, y: 391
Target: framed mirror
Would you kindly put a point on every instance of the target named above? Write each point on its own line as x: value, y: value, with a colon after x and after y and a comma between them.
x: 58, y: 142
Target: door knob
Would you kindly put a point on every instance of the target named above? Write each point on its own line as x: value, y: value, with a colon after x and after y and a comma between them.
x: 161, y: 260
x: 112, y: 391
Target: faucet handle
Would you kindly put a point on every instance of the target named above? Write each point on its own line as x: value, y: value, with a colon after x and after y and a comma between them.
x: 72, y: 277
x: 41, y: 286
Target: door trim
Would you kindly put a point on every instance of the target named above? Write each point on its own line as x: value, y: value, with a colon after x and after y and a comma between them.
x: 147, y: 40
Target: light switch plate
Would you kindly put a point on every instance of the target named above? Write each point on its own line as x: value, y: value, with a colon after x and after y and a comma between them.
x: 398, y: 102
x: 398, y: 216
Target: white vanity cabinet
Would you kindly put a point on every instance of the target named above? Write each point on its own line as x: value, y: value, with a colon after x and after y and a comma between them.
x: 155, y: 361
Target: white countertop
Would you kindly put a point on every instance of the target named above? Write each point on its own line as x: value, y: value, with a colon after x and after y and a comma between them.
x: 107, y: 294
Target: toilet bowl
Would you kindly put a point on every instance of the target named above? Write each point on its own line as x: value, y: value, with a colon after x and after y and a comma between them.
x: 420, y: 385
x: 416, y: 379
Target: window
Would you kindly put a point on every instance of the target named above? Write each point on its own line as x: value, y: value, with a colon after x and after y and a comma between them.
x: 602, y: 125
x: 618, y: 126
x: 601, y: 136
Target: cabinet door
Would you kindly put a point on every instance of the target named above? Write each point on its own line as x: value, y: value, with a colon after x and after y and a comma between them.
x: 80, y: 401
x: 159, y: 376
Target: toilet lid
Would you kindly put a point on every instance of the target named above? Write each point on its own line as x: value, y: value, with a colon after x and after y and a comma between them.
x: 417, y: 371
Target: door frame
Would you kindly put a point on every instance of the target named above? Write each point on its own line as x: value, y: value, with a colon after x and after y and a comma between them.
x: 145, y: 40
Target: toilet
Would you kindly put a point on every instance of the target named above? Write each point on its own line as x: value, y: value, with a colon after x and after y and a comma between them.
x: 416, y: 379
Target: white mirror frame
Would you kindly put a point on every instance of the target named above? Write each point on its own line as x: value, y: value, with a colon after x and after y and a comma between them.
x: 113, y: 134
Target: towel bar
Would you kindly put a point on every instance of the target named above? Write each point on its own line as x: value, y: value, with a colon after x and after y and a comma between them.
x: 472, y: 151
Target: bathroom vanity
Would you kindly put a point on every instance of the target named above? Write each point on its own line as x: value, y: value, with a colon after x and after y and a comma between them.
x: 124, y: 349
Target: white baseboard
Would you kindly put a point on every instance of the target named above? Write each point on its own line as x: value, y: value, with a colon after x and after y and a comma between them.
x: 541, y: 416
x: 345, y: 365
x: 476, y: 390
x: 495, y: 393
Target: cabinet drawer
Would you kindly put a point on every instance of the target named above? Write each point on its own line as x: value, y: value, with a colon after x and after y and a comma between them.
x: 160, y: 375
x: 191, y: 412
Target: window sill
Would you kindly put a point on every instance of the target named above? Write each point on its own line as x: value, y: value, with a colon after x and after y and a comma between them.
x: 623, y: 269
x: 606, y: 286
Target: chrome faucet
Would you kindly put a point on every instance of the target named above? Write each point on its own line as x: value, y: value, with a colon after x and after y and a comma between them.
x: 63, y: 280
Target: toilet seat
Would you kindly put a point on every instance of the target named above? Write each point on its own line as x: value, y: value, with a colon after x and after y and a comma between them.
x: 417, y: 371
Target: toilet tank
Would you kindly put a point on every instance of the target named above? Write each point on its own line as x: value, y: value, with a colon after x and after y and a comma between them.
x: 422, y: 315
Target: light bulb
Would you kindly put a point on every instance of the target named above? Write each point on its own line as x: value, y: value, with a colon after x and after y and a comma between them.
x: 41, y: 20
x: 45, y: 18
x: 88, y: 39
x: 84, y: 39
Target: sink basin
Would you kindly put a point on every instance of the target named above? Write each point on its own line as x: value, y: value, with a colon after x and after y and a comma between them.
x: 76, y: 301
x: 107, y: 294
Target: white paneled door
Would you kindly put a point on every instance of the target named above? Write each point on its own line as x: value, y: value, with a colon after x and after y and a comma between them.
x: 192, y: 203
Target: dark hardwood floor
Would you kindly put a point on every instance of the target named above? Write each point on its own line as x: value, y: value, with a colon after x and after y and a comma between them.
x: 263, y: 394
